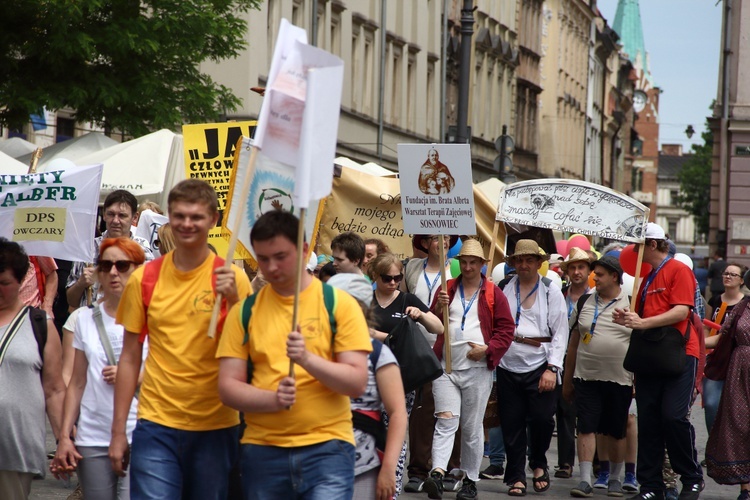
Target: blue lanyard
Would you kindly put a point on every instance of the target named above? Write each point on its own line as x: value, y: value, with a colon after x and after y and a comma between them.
x: 650, y: 280
x: 463, y: 300
x: 427, y: 280
x: 596, y: 310
x: 519, y: 301
x: 571, y: 304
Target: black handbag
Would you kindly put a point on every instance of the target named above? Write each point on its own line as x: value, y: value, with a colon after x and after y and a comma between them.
x: 657, y: 351
x: 415, y: 357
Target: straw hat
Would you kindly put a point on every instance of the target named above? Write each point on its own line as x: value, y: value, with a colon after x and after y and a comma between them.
x: 575, y: 255
x: 471, y: 248
x: 527, y: 247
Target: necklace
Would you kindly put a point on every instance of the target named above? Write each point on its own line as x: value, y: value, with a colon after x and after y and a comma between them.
x: 390, y: 300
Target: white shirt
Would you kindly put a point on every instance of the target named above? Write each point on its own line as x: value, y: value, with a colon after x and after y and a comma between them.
x: 460, y: 338
x: 97, y: 403
x: 547, y: 317
x: 423, y: 293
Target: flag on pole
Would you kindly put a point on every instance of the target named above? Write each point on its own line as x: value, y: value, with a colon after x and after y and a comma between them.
x: 298, y: 121
x: 52, y: 214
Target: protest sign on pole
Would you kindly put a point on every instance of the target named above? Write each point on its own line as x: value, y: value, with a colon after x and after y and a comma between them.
x: 576, y: 207
x: 298, y: 123
x: 437, y: 197
x: 149, y: 223
x: 271, y: 187
x: 209, y: 156
x: 52, y: 214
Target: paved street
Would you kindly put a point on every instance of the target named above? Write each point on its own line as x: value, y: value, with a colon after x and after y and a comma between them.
x: 50, y: 488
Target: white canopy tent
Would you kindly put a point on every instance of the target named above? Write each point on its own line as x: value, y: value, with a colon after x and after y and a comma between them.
x: 10, y: 165
x: 368, y: 168
x: 73, y: 149
x: 15, y: 147
x: 147, y: 167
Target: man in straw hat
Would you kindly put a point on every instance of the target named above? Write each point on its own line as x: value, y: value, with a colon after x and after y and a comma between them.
x: 576, y: 266
x: 665, y: 298
x: 481, y: 329
x: 529, y: 372
x: 596, y: 379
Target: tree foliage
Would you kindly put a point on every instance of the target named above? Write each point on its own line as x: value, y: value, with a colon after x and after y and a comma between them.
x: 695, y: 182
x: 131, y: 65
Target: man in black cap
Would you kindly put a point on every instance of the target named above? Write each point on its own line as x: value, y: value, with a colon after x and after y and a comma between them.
x: 594, y: 375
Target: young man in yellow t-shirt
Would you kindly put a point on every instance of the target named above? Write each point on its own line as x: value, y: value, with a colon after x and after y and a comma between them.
x: 185, y: 442
x: 299, y: 441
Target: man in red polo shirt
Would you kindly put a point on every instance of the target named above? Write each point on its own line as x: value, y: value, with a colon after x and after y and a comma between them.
x: 666, y: 297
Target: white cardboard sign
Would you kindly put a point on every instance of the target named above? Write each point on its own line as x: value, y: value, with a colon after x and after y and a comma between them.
x: 437, y: 195
x: 574, y: 206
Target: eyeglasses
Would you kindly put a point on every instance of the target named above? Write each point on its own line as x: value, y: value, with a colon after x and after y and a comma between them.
x: 122, y: 266
x: 731, y: 275
x: 388, y: 278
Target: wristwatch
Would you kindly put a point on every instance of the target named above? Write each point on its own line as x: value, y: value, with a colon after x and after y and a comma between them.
x: 553, y: 368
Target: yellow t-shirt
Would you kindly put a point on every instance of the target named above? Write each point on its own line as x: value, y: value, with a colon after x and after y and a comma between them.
x: 180, y: 384
x: 319, y: 414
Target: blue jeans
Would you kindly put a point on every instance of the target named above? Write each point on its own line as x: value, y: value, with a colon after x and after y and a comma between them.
x: 322, y: 471
x: 497, y: 446
x: 174, y: 464
x: 711, y: 397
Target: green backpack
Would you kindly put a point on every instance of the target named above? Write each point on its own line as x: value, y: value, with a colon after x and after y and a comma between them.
x: 329, y: 299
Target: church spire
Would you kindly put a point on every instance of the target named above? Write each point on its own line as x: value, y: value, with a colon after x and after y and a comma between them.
x: 628, y: 26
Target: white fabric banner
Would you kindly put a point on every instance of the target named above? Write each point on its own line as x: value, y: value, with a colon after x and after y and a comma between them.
x: 52, y: 214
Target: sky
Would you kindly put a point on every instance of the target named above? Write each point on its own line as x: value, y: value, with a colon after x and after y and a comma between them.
x: 683, y: 41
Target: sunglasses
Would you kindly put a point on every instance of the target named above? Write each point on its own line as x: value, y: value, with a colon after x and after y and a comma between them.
x: 122, y: 266
x: 387, y: 278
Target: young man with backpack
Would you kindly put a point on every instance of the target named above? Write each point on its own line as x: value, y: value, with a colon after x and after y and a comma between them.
x: 299, y: 441
x: 530, y: 370
x: 185, y: 442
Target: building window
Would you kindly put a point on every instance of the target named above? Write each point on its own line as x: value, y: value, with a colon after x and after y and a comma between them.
x: 672, y: 224
x: 66, y: 129
x: 674, y: 195
x: 411, y: 92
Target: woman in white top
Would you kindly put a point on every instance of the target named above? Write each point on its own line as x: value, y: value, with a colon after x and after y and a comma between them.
x: 90, y: 394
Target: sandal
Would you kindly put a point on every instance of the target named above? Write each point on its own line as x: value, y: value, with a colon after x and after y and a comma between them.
x: 544, y: 478
x: 564, y: 471
x: 517, y: 491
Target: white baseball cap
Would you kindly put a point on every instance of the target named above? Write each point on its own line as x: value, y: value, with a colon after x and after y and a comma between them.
x: 655, y: 232
x: 313, y: 262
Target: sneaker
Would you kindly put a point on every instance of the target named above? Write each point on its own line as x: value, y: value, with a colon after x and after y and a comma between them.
x: 468, y: 490
x: 583, y: 490
x: 671, y: 494
x: 691, y: 492
x: 451, y: 483
x: 602, y: 481
x: 492, y: 472
x: 433, y: 485
x: 630, y: 484
x: 614, y: 488
x: 649, y: 495
x: 414, y: 485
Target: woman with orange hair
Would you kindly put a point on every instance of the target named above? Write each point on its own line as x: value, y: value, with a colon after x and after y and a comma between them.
x: 90, y: 395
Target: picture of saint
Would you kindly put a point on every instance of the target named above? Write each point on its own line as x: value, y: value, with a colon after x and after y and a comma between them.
x: 434, y: 176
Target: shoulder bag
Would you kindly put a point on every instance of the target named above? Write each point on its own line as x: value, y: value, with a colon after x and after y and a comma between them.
x: 417, y: 361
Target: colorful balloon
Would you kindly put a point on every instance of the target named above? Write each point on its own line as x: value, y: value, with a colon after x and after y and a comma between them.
x: 552, y: 275
x: 628, y: 281
x: 455, y: 268
x: 592, y: 283
x: 498, y: 273
x: 453, y: 251
x: 545, y: 267
x: 629, y: 259
x: 580, y: 241
x: 562, y: 247
x: 685, y: 259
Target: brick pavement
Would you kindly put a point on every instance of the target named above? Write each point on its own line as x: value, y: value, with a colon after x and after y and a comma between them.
x: 50, y: 488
